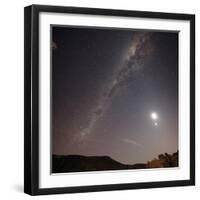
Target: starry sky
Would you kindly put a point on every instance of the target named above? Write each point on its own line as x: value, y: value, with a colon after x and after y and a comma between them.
x: 114, y: 92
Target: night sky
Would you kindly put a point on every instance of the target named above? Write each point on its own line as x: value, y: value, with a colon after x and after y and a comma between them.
x: 114, y: 93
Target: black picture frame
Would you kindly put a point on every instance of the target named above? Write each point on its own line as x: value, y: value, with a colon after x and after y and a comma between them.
x: 31, y: 99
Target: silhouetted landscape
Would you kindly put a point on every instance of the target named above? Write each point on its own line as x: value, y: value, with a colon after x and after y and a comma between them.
x: 79, y: 163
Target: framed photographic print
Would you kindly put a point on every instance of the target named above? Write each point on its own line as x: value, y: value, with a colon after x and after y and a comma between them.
x: 109, y: 100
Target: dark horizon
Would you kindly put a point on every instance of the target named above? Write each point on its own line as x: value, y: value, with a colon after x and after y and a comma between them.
x: 114, y: 93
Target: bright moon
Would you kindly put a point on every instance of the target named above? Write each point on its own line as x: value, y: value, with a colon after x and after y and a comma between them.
x: 154, y: 116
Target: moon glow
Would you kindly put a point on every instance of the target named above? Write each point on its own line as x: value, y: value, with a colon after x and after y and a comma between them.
x: 154, y: 116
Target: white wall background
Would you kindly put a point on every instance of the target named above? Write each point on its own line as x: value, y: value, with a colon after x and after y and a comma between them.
x: 11, y: 98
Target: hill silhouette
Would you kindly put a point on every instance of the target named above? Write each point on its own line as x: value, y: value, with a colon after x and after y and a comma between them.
x: 80, y: 163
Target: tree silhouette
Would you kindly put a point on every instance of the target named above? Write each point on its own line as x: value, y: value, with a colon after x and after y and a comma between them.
x: 164, y: 160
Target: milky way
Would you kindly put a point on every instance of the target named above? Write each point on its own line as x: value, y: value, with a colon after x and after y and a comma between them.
x: 137, y: 52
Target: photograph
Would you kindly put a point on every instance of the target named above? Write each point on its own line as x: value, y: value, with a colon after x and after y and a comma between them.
x: 109, y: 99
x: 114, y: 99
